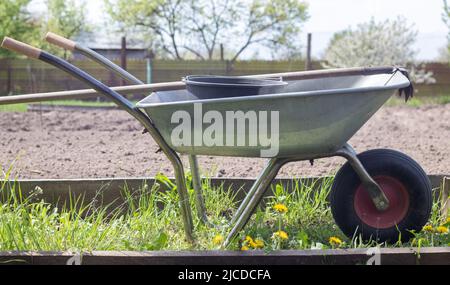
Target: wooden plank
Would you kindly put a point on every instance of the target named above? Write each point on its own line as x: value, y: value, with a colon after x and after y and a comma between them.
x: 388, y: 256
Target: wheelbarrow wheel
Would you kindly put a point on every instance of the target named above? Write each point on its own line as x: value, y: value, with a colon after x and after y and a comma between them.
x: 404, y: 183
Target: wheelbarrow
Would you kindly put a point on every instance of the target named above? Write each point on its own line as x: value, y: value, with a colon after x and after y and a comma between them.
x: 379, y: 194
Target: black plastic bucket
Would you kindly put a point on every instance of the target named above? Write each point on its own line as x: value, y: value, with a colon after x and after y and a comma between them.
x: 208, y: 86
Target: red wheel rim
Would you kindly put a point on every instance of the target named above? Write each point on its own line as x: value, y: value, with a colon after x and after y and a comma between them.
x: 398, y: 198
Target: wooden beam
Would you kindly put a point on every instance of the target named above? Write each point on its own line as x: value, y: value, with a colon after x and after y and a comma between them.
x: 388, y: 256
x: 89, y: 93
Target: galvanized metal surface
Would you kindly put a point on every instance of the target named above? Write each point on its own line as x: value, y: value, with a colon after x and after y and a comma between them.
x: 316, y: 116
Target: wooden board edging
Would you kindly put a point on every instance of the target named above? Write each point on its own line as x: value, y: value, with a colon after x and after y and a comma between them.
x: 387, y: 256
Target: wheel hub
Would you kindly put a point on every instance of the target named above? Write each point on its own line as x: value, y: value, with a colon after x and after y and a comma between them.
x: 397, y: 196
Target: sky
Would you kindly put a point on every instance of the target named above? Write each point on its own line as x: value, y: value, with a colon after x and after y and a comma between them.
x: 330, y: 16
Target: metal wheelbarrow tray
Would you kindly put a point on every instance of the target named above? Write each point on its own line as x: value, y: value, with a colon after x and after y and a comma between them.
x: 316, y: 116
x: 379, y: 194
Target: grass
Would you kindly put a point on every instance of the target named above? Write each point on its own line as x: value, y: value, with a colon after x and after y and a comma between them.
x: 150, y: 220
x: 81, y: 103
x: 78, y: 103
x: 14, y: 108
x: 418, y: 101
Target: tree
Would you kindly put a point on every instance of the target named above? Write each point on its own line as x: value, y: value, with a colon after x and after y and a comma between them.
x: 184, y: 28
x: 376, y: 44
x: 66, y: 18
x: 16, y: 22
x: 446, y: 19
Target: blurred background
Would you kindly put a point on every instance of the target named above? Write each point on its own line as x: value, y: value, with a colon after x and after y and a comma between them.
x: 163, y: 40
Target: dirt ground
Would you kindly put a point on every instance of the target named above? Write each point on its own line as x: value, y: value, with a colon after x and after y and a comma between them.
x: 109, y: 143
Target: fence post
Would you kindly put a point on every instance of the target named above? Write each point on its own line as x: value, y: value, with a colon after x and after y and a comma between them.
x: 308, y: 65
x: 123, y: 56
x: 9, y: 78
x: 149, y: 60
x: 221, y: 52
x: 228, y: 66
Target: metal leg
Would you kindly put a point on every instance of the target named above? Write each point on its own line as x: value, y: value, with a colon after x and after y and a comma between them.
x: 173, y: 157
x: 197, y: 185
x: 185, y: 207
x: 145, y: 121
x: 254, y: 197
x: 373, y: 189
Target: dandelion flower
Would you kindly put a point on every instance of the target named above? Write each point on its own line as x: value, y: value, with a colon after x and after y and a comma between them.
x: 259, y: 243
x: 280, y: 208
x: 252, y: 244
x: 281, y: 234
x: 428, y: 228
x: 335, y: 241
x: 218, y: 239
x: 244, y: 248
x: 442, y: 230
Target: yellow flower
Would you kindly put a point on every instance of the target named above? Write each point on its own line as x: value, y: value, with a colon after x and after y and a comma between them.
x: 280, y: 208
x: 448, y: 220
x: 335, y: 241
x: 218, y: 239
x: 258, y: 243
x: 428, y: 228
x: 442, y: 230
x: 281, y: 234
x: 248, y: 239
x: 244, y: 248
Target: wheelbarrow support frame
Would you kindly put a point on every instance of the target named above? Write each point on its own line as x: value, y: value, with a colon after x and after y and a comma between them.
x: 111, y: 66
x: 259, y: 188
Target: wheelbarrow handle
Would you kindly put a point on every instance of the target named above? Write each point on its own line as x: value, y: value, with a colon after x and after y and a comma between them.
x: 60, y: 41
x: 22, y: 48
x: 75, y: 46
x: 36, y: 53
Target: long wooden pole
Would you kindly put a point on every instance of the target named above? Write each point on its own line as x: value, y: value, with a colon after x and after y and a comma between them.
x: 177, y: 85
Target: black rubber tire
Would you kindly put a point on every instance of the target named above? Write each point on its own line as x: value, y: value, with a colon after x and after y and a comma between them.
x: 388, y: 163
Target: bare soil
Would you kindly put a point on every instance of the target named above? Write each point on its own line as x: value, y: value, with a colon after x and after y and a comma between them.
x: 109, y: 143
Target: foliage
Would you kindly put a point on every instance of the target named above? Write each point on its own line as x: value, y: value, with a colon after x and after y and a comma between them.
x: 187, y: 28
x: 446, y: 19
x: 376, y: 44
x: 65, y: 18
x: 16, y: 22
x: 149, y: 219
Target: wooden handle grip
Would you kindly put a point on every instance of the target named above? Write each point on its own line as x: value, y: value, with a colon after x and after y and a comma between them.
x: 60, y: 41
x: 20, y: 47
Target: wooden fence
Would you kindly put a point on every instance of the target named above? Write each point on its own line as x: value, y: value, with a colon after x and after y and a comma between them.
x: 21, y: 76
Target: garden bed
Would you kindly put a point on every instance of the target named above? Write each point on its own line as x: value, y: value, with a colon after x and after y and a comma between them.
x: 109, y: 143
x: 147, y: 219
